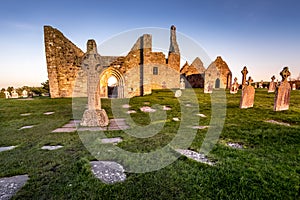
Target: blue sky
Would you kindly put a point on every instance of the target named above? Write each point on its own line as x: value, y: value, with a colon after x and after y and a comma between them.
x: 262, y: 35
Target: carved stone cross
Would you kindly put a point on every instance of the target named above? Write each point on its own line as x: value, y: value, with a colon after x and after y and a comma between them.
x: 285, y: 73
x: 273, y: 78
x: 250, y: 81
x: 244, y: 72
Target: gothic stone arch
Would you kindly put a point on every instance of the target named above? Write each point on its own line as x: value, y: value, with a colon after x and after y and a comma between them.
x: 103, y: 83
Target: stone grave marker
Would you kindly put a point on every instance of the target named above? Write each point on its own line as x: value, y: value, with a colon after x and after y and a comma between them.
x: 182, y: 84
x: 178, y: 93
x: 7, y: 94
x: 294, y: 86
x: 24, y: 94
x: 261, y: 84
x: 14, y: 94
x: 234, y: 87
x: 248, y: 93
x: 272, y: 85
x: 91, y: 63
x: 283, y: 92
x: 244, y: 73
x: 9, y: 186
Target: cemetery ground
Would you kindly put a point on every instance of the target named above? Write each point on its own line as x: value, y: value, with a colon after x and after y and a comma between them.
x: 267, y: 167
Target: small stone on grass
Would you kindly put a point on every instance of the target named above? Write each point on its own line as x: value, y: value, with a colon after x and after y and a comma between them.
x: 199, y: 157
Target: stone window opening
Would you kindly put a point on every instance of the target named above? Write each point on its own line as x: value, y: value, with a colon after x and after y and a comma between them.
x: 155, y: 70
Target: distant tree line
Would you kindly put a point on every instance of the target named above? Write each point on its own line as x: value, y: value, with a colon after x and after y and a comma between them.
x: 35, y: 91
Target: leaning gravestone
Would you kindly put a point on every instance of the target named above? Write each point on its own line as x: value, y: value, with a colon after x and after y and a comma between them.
x: 248, y: 92
x: 272, y: 85
x: 91, y: 63
x: 24, y: 94
x: 283, y: 92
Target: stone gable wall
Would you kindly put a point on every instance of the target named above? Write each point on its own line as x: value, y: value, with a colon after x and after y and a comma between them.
x: 63, y: 62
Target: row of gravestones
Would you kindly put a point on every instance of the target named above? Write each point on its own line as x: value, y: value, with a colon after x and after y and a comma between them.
x: 15, y: 95
x: 282, y: 91
x: 272, y: 86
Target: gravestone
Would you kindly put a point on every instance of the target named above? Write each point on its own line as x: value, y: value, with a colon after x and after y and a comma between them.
x: 234, y: 87
x: 248, y: 93
x: 283, y: 92
x: 91, y: 64
x: 182, y: 84
x: 244, y: 73
x: 272, y: 85
x: 24, y: 94
x: 261, y: 84
x: 14, y: 94
x: 294, y: 86
x: 7, y: 94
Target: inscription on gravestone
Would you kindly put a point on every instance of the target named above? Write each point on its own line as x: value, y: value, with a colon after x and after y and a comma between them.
x: 283, y: 92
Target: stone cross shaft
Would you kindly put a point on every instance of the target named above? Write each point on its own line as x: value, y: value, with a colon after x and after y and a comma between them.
x: 91, y: 64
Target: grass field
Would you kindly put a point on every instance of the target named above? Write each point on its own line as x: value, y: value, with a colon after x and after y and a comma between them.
x: 268, y: 167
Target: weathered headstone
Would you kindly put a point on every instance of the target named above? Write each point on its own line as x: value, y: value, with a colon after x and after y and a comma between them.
x: 283, y: 92
x: 248, y: 93
x: 7, y: 94
x: 91, y: 63
x: 294, y: 86
x: 24, y: 94
x: 14, y: 94
x: 261, y: 84
x: 272, y: 85
x: 182, y: 84
x: 234, y: 87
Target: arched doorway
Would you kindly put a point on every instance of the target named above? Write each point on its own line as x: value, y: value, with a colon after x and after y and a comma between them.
x: 111, y: 83
x: 217, y: 83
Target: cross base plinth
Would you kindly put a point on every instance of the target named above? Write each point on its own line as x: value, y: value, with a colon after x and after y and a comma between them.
x: 94, y: 118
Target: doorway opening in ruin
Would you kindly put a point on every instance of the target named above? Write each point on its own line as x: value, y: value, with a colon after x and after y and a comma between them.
x: 111, y: 83
x: 217, y: 83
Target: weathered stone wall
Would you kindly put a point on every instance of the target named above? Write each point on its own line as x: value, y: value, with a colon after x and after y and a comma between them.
x: 63, y: 62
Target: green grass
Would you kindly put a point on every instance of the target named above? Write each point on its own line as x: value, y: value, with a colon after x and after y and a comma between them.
x: 268, y: 168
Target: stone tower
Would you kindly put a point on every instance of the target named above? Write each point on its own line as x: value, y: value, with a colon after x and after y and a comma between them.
x: 174, y: 53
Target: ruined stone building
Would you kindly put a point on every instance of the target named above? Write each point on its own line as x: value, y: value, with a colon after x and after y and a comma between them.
x: 135, y: 74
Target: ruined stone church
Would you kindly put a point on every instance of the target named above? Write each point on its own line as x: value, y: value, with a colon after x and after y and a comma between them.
x: 136, y: 74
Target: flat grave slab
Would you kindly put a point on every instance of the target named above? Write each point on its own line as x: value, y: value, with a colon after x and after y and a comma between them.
x: 26, y: 127
x: 51, y: 148
x: 11, y: 185
x: 108, y: 172
x: 114, y: 124
x: 25, y: 114
x: 7, y: 148
x: 111, y: 140
x: 49, y: 113
x: 278, y: 123
x: 195, y: 156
